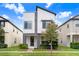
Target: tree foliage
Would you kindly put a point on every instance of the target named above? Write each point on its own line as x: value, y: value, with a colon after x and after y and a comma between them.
x: 50, y: 34
x: 2, y: 34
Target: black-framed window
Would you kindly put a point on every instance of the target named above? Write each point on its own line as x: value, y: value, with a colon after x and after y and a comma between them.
x: 77, y: 25
x: 27, y: 24
x: 2, y: 24
x: 67, y: 25
x: 45, y: 24
x: 15, y: 41
x: 13, y: 30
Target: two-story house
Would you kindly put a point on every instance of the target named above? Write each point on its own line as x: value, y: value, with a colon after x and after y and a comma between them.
x: 34, y: 24
x: 13, y: 35
x: 69, y: 31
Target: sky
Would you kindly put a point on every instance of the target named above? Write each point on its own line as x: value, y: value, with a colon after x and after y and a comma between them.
x: 14, y: 11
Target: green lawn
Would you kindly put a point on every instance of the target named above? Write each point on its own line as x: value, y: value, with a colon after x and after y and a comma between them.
x: 15, y: 48
x: 39, y: 52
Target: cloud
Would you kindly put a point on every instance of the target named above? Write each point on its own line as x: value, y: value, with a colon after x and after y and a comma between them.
x: 5, y: 16
x: 64, y: 14
x: 18, y: 9
x: 58, y: 22
x: 19, y: 17
x: 48, y: 5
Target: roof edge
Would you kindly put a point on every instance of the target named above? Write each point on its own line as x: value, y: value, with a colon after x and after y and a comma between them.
x: 45, y: 10
x: 73, y: 18
x: 11, y: 23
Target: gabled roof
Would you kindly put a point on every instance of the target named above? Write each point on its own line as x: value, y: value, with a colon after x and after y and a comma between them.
x: 73, y: 18
x: 45, y: 10
x: 76, y: 17
x: 9, y: 22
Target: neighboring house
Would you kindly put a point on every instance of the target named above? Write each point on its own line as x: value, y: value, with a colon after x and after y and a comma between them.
x: 69, y: 31
x: 13, y: 35
x: 34, y: 24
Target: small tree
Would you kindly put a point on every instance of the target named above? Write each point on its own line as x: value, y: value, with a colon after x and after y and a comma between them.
x: 50, y: 34
x: 2, y: 35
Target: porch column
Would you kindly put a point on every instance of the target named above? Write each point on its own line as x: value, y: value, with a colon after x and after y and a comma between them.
x: 71, y: 39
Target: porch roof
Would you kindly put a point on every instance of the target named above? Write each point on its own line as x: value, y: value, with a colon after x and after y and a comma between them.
x: 32, y: 34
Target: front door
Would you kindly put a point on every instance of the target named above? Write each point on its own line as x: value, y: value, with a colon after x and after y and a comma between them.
x: 32, y: 41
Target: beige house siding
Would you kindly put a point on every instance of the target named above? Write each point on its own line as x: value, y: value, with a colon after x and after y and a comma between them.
x: 71, y: 34
x: 63, y: 32
x: 12, y: 34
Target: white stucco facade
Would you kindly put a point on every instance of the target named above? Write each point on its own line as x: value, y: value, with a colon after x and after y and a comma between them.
x: 36, y: 18
x: 29, y: 17
x: 43, y: 15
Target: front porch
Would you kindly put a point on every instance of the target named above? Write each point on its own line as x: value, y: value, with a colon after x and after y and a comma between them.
x: 32, y: 40
x: 73, y: 38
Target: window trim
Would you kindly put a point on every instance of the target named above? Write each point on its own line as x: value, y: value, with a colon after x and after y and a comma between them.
x: 27, y: 27
x: 67, y: 25
x: 45, y: 21
x: 77, y: 25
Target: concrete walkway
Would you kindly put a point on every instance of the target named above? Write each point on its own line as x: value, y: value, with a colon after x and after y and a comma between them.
x: 30, y: 50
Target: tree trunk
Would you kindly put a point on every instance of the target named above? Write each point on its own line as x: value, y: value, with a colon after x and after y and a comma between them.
x: 51, y: 46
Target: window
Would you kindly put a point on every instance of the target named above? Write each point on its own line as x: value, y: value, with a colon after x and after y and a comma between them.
x: 77, y: 25
x: 17, y: 32
x: 13, y: 30
x: 67, y: 25
x: 45, y: 24
x: 15, y: 41
x: 60, y: 30
x: 2, y: 24
x: 68, y: 37
x: 27, y: 25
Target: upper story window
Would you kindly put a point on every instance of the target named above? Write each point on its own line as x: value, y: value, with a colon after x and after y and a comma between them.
x: 60, y: 30
x: 77, y: 25
x: 13, y: 30
x: 15, y: 41
x: 2, y: 24
x: 67, y: 25
x: 45, y: 23
x: 17, y: 32
x: 27, y: 24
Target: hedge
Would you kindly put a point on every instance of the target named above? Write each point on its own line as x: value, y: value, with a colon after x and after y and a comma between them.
x: 45, y: 45
x: 74, y: 45
x: 23, y: 46
x: 3, y: 45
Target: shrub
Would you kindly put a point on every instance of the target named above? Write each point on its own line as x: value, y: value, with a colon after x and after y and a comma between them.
x: 74, y: 45
x: 45, y: 45
x: 3, y: 45
x: 45, y: 42
x: 54, y: 44
x: 23, y: 46
x: 1, y: 39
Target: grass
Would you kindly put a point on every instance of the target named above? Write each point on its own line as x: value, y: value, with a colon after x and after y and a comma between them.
x: 15, y: 48
x: 60, y: 48
x: 39, y: 52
